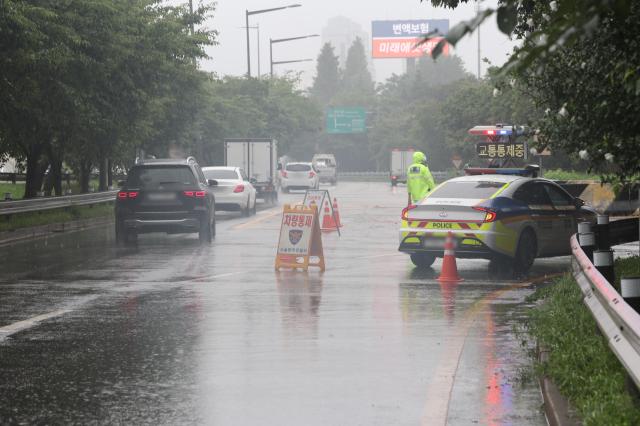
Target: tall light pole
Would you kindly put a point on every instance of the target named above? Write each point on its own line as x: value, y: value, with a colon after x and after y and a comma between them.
x: 283, y: 40
x: 257, y: 28
x: 479, y: 59
x: 248, y: 13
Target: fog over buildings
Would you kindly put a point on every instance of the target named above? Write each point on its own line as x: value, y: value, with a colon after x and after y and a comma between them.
x: 336, y: 21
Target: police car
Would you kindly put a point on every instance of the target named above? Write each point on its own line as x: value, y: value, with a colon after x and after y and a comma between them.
x: 504, y: 215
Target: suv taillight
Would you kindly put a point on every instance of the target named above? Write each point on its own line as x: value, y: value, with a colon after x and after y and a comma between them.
x: 196, y: 194
x: 123, y: 195
x: 238, y: 188
x: 311, y: 175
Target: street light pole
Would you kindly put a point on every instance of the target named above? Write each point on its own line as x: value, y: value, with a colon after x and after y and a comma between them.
x: 247, y: 13
x: 282, y: 40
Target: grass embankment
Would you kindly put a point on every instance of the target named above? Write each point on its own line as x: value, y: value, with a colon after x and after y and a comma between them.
x: 46, y: 217
x: 580, y: 362
x: 16, y: 190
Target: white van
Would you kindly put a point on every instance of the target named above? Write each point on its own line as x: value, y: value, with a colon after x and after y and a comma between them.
x: 327, y: 167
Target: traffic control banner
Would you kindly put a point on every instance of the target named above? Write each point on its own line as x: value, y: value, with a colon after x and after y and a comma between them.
x: 300, y: 242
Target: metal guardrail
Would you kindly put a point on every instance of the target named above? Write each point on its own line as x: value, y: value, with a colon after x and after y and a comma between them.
x: 438, y: 176
x: 619, y: 322
x: 39, y: 204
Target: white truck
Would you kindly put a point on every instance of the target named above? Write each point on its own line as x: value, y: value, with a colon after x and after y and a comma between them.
x: 401, y: 159
x: 258, y: 157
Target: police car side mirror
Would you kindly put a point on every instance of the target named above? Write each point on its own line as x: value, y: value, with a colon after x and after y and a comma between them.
x: 578, y: 202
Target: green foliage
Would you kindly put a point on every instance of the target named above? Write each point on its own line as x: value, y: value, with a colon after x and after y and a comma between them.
x: 596, y: 112
x: 356, y: 85
x: 627, y: 267
x: 580, y: 61
x: 16, y: 190
x: 580, y: 362
x: 239, y: 107
x: 560, y: 174
x: 87, y: 80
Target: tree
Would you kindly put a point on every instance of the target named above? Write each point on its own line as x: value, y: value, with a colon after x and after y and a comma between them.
x: 356, y: 85
x: 598, y: 41
x: 327, y: 79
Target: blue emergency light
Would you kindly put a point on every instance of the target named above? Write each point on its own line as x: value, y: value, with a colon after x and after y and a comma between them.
x: 497, y: 130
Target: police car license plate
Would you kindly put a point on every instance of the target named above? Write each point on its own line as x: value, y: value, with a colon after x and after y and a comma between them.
x: 436, y: 243
x: 433, y: 243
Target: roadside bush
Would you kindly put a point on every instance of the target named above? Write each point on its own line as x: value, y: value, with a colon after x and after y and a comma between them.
x: 560, y: 174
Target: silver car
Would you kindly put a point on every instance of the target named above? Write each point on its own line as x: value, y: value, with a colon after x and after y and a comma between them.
x: 234, y: 191
x: 299, y: 176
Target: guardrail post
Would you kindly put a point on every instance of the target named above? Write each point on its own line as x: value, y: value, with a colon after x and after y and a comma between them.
x: 586, y: 239
x: 630, y: 291
x: 603, y: 242
x: 603, y: 261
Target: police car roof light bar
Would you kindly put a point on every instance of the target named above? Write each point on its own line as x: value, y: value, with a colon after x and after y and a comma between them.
x: 531, y: 170
x: 497, y: 130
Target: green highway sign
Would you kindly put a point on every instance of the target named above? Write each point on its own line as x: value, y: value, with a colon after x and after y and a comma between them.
x: 346, y: 120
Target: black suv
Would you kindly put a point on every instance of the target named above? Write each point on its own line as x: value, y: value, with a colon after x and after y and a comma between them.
x: 169, y: 196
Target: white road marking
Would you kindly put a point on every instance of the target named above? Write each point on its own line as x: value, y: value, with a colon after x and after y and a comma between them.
x: 16, y: 327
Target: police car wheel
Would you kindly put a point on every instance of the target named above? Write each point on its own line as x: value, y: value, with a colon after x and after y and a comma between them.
x: 422, y: 260
x: 526, y: 252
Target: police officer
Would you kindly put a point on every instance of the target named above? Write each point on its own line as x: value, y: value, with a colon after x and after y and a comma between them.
x: 419, y: 179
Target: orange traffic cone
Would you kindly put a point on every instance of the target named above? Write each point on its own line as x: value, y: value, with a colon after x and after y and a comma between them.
x: 328, y: 224
x: 336, y: 212
x: 449, y: 268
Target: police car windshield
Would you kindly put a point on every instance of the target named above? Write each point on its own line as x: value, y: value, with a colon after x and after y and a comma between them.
x: 220, y: 174
x: 151, y: 177
x: 470, y: 190
x: 298, y: 167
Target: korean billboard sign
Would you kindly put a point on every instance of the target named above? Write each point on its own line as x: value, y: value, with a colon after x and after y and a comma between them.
x: 399, y: 39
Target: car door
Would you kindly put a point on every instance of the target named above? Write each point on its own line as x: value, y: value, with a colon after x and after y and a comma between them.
x: 541, y: 213
x: 565, y: 222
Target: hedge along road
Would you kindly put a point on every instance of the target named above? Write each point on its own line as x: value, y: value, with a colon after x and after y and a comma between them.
x: 174, y: 332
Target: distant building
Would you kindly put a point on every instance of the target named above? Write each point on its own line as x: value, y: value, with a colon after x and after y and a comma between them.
x: 341, y: 33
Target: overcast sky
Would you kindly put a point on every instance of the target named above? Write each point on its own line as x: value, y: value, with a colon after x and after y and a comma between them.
x: 229, y: 57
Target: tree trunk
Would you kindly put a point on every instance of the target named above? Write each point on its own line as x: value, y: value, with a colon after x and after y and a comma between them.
x: 85, y: 176
x: 35, y: 170
x: 104, y: 167
x: 109, y: 173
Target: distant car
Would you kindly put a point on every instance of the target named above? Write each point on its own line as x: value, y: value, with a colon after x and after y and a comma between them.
x: 234, y: 191
x: 299, y: 176
x: 508, y: 219
x: 327, y: 167
x: 171, y: 196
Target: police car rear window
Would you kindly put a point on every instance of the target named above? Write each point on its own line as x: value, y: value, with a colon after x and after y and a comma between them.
x: 298, y: 167
x: 152, y: 177
x: 471, y: 190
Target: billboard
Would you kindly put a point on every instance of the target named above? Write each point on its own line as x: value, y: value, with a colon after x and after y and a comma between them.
x: 398, y: 39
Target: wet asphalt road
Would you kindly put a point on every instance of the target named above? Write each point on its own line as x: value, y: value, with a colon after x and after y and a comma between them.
x: 173, y: 332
